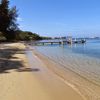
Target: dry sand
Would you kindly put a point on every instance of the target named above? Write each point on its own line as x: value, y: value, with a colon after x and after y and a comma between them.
x: 29, y: 79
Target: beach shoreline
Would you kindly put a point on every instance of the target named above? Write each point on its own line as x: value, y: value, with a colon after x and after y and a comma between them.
x: 87, y: 89
x: 21, y: 81
x: 29, y: 75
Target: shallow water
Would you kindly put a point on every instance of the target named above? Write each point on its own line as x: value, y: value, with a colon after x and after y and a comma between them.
x: 83, y: 59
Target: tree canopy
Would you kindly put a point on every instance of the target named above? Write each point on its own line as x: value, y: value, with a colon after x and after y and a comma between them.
x: 8, y: 25
x: 26, y: 35
x: 8, y: 18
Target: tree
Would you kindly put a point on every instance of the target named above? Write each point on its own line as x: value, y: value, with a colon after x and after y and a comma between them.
x: 27, y: 35
x: 4, y: 18
x: 8, y: 18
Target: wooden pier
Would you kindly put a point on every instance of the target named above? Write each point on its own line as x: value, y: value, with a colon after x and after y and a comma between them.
x: 60, y: 42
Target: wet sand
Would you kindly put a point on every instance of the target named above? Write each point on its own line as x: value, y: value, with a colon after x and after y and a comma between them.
x: 86, y: 88
x: 23, y: 76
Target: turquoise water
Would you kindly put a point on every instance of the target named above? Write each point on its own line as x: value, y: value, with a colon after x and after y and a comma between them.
x: 83, y: 59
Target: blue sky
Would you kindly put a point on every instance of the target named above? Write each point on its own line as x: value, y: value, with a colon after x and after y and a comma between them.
x: 79, y: 18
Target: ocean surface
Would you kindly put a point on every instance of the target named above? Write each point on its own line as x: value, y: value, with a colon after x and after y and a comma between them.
x: 83, y: 59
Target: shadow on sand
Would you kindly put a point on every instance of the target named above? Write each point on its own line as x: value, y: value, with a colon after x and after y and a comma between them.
x: 8, y: 62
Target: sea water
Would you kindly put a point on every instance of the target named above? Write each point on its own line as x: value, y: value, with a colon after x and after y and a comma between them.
x: 83, y: 59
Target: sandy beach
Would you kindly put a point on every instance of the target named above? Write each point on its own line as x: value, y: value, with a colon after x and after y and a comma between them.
x: 88, y: 89
x: 23, y: 76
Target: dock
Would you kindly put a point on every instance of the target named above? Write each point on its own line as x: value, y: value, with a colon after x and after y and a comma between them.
x: 60, y: 42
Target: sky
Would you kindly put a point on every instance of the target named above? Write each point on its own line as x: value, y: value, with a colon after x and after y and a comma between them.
x: 77, y: 18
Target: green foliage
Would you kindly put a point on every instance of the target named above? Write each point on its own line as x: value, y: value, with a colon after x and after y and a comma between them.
x: 8, y: 18
x: 2, y: 38
x: 26, y: 35
x: 9, y: 27
x: 46, y: 38
x: 4, y: 18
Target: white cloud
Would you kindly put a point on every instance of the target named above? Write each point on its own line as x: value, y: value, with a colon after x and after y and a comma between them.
x: 19, y: 19
x: 20, y: 26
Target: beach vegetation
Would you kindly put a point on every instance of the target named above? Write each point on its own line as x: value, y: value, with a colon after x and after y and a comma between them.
x: 27, y: 35
x: 9, y: 30
x: 8, y: 20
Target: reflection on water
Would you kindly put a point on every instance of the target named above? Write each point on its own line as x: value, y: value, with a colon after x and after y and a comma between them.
x: 84, y: 59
